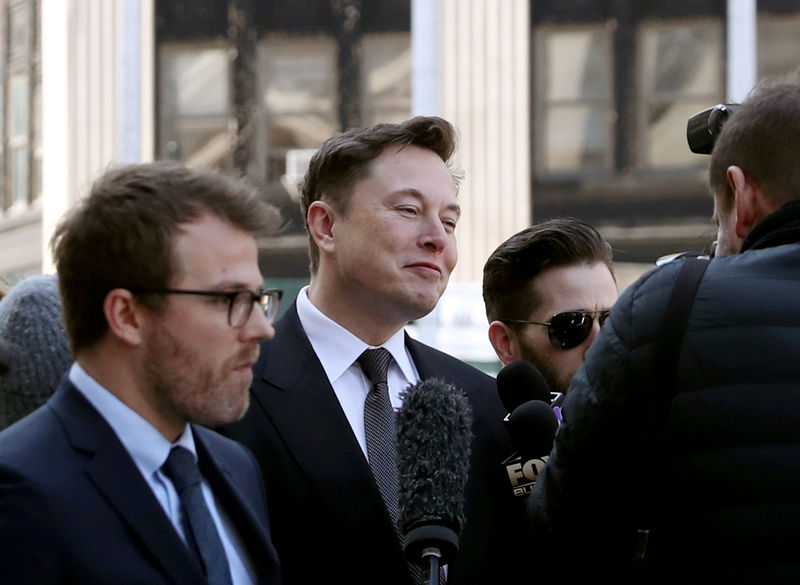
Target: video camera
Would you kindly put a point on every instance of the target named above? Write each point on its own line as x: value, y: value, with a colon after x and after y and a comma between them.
x: 704, y: 127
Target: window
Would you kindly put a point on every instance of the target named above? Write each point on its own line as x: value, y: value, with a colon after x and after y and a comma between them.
x: 299, y: 95
x: 387, y: 77
x: 21, y: 111
x: 574, y: 117
x: 195, y: 126
x: 681, y: 72
x: 778, y: 44
x: 298, y: 77
x: 18, y: 159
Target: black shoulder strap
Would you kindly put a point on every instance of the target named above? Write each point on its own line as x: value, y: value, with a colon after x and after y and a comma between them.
x: 676, y: 316
x: 667, y: 354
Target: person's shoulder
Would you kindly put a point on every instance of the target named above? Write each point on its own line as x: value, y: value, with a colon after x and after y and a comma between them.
x: 655, y: 280
x: 217, y: 442
x: 34, y: 444
x: 449, y: 364
x: 30, y: 433
x: 652, y: 289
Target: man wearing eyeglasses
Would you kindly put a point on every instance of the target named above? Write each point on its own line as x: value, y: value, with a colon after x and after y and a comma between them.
x: 696, y: 480
x: 117, y: 479
x: 547, y: 290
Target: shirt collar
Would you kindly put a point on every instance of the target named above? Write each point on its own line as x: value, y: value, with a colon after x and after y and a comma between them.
x: 337, y: 348
x: 146, y: 445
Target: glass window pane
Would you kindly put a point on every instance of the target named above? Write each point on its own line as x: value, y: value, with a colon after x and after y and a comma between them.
x: 19, y: 107
x: 778, y: 45
x: 201, y: 141
x: 300, y: 90
x: 36, y: 189
x: 574, y: 121
x: 299, y: 95
x: 682, y: 59
x: 198, y: 79
x: 387, y: 77
x: 578, y: 65
x: 18, y: 29
x: 18, y: 179
x: 577, y: 138
x: 681, y: 69
x: 667, y: 146
x: 194, y: 99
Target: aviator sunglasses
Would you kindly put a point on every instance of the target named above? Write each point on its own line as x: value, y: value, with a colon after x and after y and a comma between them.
x: 569, y: 329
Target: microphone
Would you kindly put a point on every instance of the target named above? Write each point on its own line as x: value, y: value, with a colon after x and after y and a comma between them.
x: 519, y: 382
x: 434, y: 438
x: 532, y: 427
x: 532, y: 423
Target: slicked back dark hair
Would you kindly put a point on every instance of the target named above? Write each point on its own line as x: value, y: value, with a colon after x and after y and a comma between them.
x: 345, y: 159
x: 121, y: 235
x: 508, y: 273
x: 761, y: 139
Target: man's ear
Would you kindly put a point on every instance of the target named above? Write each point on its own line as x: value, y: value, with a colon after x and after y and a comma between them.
x: 124, y: 316
x: 504, y: 341
x: 321, y: 217
x: 751, y: 205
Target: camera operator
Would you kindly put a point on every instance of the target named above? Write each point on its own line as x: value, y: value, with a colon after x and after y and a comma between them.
x: 719, y: 478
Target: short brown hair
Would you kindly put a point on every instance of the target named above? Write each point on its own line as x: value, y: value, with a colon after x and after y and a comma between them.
x: 761, y: 139
x: 511, y: 268
x: 121, y: 234
x: 344, y: 160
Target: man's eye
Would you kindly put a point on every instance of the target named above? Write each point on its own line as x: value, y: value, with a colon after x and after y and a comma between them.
x: 224, y: 300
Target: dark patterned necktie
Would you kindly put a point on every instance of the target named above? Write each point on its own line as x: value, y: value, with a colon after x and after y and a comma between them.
x: 201, y: 532
x: 379, y: 426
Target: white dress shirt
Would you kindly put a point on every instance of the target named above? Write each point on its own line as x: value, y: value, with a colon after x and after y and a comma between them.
x: 149, y: 450
x: 338, y: 350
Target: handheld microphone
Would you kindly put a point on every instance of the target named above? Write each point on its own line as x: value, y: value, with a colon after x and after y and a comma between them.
x: 434, y: 437
x: 519, y: 382
x: 532, y: 427
x: 532, y: 423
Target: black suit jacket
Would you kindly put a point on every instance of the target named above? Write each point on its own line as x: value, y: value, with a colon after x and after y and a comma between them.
x: 74, y: 507
x: 328, y: 520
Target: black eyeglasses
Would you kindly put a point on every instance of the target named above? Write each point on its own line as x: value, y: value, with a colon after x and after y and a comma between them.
x: 240, y: 302
x: 569, y: 329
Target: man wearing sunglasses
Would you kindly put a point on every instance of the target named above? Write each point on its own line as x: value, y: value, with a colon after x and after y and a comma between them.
x: 547, y: 291
x: 695, y: 480
x: 114, y: 480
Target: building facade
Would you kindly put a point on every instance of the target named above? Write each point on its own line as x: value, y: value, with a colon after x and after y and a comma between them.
x: 564, y: 108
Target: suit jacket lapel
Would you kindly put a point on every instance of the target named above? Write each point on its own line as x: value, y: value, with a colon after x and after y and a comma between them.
x: 296, y: 395
x: 424, y: 360
x: 116, y: 476
x: 252, y: 532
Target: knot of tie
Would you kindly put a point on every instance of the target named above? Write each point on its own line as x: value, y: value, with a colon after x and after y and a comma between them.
x: 375, y: 363
x: 182, y: 469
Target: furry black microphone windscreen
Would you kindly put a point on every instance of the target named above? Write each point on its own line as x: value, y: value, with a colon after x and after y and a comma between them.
x: 434, y: 437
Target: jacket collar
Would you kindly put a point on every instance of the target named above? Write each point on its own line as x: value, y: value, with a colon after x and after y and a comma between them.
x: 778, y: 228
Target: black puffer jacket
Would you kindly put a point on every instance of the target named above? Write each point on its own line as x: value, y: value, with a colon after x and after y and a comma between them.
x: 729, y: 511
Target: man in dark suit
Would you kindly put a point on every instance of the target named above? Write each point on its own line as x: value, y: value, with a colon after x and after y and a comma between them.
x: 381, y: 210
x: 113, y: 480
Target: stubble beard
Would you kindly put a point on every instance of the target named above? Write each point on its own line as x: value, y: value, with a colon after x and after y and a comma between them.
x: 186, y: 386
x: 556, y: 380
